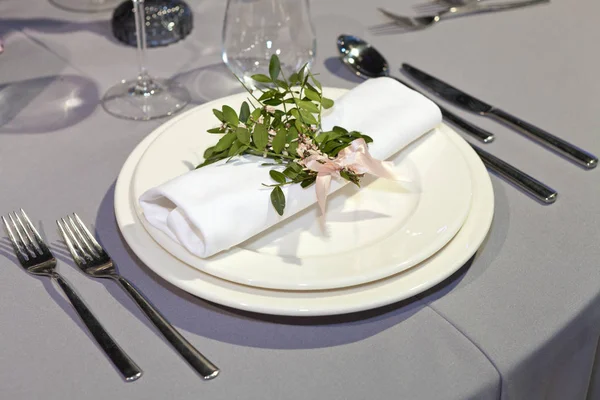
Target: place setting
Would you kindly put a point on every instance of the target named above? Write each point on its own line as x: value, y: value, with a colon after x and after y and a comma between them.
x: 291, y: 197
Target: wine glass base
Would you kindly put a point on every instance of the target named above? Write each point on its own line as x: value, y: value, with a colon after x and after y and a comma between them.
x: 86, y: 5
x: 145, y: 98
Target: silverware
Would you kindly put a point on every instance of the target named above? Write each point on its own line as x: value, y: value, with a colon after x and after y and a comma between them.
x: 439, y: 5
x: 470, y: 103
x: 93, y: 260
x: 366, y: 61
x: 36, y: 258
x: 421, y: 22
x: 517, y: 177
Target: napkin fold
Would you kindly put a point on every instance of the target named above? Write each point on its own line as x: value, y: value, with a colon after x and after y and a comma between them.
x: 216, y: 207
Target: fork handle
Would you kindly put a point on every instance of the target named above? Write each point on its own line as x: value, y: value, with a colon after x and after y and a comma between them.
x: 478, y: 8
x: 200, y: 363
x: 126, y: 366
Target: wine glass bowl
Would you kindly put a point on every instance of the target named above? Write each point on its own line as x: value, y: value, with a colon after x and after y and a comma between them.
x: 255, y: 30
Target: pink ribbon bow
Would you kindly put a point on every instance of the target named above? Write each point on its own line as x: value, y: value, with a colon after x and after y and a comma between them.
x: 355, y: 157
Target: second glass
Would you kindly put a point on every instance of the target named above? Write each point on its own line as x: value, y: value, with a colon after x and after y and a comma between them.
x: 254, y: 30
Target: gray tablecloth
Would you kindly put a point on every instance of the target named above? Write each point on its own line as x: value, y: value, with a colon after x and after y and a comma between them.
x: 521, y: 322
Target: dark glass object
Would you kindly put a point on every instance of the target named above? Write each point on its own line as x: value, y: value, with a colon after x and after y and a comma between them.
x: 167, y: 21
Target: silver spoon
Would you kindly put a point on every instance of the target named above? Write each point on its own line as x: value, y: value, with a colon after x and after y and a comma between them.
x: 366, y: 62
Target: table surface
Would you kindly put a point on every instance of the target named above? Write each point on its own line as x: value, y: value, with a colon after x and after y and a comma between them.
x: 521, y: 322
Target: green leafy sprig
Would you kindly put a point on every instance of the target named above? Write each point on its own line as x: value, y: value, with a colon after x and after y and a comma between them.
x: 284, y: 126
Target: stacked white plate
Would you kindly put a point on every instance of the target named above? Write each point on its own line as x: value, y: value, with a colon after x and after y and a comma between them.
x: 383, y: 243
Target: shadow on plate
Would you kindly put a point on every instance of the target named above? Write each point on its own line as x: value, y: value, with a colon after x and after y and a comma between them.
x: 46, y: 104
x: 228, y: 325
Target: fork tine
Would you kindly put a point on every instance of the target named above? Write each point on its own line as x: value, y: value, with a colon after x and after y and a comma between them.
x: 38, y: 239
x: 83, y: 254
x: 78, y: 259
x: 17, y: 246
x: 88, y: 235
x: 81, y: 238
x: 28, y: 246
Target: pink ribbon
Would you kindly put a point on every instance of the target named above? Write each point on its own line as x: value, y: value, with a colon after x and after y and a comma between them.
x: 355, y: 157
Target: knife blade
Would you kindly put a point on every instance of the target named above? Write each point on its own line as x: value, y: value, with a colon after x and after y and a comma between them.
x: 473, y: 104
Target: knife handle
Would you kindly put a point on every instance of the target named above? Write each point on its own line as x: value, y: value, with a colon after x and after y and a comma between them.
x: 473, y: 130
x: 574, y: 153
x: 532, y: 186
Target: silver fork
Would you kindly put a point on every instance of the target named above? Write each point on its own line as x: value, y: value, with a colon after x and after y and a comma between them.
x: 440, y: 5
x: 36, y: 258
x: 401, y: 22
x: 93, y: 260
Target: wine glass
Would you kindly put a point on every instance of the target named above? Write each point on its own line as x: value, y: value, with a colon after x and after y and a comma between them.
x: 254, y: 30
x: 146, y: 97
x: 86, y: 5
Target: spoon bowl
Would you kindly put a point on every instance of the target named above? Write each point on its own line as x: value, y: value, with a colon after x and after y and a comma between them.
x: 362, y: 59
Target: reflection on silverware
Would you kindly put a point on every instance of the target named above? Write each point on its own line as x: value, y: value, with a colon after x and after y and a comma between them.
x: 35, y: 256
x: 93, y: 260
x: 366, y: 61
x: 440, y: 5
x: 402, y: 22
x: 530, y: 185
x: 470, y: 103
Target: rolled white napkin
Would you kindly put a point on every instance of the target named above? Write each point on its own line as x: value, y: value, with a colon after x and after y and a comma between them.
x: 213, y: 208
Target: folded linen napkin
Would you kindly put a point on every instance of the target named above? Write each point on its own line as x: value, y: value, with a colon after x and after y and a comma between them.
x: 213, y: 208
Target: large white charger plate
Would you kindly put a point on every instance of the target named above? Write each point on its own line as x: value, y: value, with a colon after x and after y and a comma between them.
x: 311, y: 303
x: 373, y: 232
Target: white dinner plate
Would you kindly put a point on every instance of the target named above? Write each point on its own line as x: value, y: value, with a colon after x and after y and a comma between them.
x: 311, y: 303
x: 373, y: 232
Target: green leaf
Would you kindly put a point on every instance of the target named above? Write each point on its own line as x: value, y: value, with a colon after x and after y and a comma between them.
x: 277, y: 176
x: 308, y: 106
x: 209, y: 152
x: 260, y: 136
x: 326, y: 103
x: 274, y: 67
x: 279, y: 140
x: 225, y: 142
x: 307, y: 182
x: 278, y: 200
x: 261, y: 78
x: 307, y: 117
x: 268, y: 95
x: 233, y: 150
x: 282, y: 84
x: 323, y: 137
x: 340, y: 130
x: 316, y: 82
x: 368, y: 139
x: 295, y: 167
x: 290, y: 173
x: 230, y: 116
x: 255, y: 114
x: 218, y: 114
x: 272, y: 102
x: 244, y: 112
x: 293, y: 78
x: 312, y: 95
x: 292, y: 134
x: 243, y: 135
x: 292, y: 149
x: 302, y: 72
x: 215, y: 130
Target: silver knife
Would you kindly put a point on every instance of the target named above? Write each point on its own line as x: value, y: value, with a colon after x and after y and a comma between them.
x: 470, y: 103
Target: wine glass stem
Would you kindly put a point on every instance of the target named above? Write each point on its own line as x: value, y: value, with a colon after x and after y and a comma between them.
x: 140, y: 31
